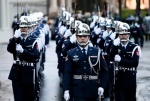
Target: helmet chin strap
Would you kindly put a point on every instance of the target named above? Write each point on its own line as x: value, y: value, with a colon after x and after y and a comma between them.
x: 123, y: 40
x: 83, y: 44
x: 23, y: 33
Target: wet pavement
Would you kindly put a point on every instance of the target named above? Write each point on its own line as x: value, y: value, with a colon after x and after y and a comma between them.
x: 51, y: 90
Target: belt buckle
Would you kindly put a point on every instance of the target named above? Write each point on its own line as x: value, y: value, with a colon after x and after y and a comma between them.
x: 23, y: 63
x: 85, y: 77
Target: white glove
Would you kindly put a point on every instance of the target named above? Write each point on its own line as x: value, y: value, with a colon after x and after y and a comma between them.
x: 97, y: 31
x: 117, y: 58
x: 73, y: 38
x: 112, y: 36
x: 19, y: 48
x: 105, y: 34
x: 66, y: 95
x: 17, y: 33
x: 62, y: 30
x: 67, y: 33
x: 92, y: 24
x: 117, y: 41
x: 90, y: 44
x: 100, y: 91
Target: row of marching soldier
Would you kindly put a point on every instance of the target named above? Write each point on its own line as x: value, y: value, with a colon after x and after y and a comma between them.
x: 28, y: 47
x: 96, y: 61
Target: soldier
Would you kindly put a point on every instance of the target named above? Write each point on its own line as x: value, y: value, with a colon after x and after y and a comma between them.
x: 25, y: 55
x: 85, y: 72
x: 126, y: 55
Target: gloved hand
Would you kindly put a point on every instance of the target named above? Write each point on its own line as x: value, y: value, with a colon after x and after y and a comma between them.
x: 100, y: 91
x: 67, y: 34
x: 117, y: 58
x: 105, y: 34
x: 116, y: 42
x: 112, y: 36
x: 73, y: 39
x: 90, y: 44
x: 66, y: 95
x: 17, y: 33
x: 97, y: 31
x: 19, y: 48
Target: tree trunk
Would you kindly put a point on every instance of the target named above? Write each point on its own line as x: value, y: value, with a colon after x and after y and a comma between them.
x: 138, y: 9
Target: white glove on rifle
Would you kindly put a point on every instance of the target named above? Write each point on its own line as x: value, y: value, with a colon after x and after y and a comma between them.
x: 67, y: 33
x: 17, y: 33
x: 105, y: 34
x: 112, y: 36
x: 117, y: 58
x: 117, y: 41
x: 19, y: 48
x: 73, y: 39
x: 66, y: 95
x: 90, y: 44
x: 100, y: 91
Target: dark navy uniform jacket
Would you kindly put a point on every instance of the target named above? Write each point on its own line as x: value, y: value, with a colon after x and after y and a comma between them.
x: 76, y: 64
x: 30, y: 55
x: 129, y: 60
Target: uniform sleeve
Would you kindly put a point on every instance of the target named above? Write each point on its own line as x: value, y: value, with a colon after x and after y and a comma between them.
x: 59, y: 45
x: 66, y: 47
x: 11, y: 47
x: 68, y: 72
x: 133, y: 62
x: 113, y: 52
x: 31, y: 55
x: 103, y: 72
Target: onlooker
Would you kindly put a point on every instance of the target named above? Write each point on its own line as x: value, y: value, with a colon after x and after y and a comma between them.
x: 15, y: 24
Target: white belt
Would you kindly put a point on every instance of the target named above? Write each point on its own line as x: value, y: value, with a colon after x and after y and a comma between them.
x: 23, y: 63
x: 85, y: 77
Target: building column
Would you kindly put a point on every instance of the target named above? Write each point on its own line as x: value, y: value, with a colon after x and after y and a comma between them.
x: 5, y: 26
x: 3, y: 14
x: 53, y: 6
x: 63, y: 4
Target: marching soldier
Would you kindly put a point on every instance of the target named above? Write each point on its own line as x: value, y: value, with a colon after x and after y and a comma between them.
x: 25, y: 55
x: 126, y: 56
x: 85, y: 72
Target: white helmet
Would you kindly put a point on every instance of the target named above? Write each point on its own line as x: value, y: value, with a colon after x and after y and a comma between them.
x: 102, y: 21
x: 71, y: 20
x: 68, y: 15
x: 83, y: 29
x: 77, y: 23
x: 25, y: 21
x: 108, y: 23
x: 124, y: 28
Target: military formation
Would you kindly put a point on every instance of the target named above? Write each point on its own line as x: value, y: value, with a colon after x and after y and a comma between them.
x: 96, y: 62
x: 28, y: 47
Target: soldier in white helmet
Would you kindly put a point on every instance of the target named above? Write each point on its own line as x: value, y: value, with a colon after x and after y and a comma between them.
x: 25, y: 54
x: 126, y: 55
x: 84, y: 68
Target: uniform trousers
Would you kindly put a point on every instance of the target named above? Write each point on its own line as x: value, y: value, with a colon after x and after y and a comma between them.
x: 23, y: 92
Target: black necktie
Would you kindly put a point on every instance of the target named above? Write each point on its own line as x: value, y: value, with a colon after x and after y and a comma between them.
x: 123, y: 49
x: 84, y: 53
x: 22, y: 42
